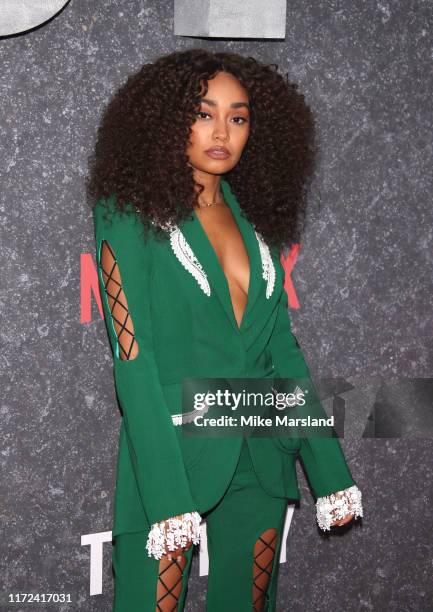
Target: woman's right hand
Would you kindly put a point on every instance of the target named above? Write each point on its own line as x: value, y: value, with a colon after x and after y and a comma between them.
x: 180, y: 530
x: 177, y: 553
x: 177, y: 532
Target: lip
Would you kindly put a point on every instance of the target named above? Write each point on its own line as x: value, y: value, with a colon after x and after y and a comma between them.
x: 218, y: 152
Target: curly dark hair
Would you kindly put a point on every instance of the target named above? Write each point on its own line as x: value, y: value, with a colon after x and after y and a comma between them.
x: 140, y: 150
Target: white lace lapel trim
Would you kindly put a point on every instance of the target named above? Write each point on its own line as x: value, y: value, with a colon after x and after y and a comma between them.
x: 189, y: 261
x: 185, y: 255
x: 268, y: 271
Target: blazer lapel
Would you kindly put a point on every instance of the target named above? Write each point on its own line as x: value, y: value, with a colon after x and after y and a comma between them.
x: 203, y: 250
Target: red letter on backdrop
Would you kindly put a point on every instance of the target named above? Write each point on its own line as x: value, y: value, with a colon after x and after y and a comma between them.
x: 88, y: 285
x: 288, y: 265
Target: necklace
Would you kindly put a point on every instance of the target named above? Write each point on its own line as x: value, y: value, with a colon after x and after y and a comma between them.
x: 210, y: 203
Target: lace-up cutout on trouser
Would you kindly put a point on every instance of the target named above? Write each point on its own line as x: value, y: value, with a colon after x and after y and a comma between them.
x: 244, y: 542
x: 143, y: 584
x: 264, y: 553
x: 169, y: 589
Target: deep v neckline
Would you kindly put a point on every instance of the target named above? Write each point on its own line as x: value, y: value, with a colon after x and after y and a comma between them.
x: 236, y: 218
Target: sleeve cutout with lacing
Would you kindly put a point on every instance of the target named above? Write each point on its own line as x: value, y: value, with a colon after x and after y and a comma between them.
x: 126, y: 346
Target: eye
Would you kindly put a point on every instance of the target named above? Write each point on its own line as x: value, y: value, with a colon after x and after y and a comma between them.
x: 243, y: 120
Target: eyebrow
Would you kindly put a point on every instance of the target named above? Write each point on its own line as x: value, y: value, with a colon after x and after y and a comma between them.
x: 233, y: 105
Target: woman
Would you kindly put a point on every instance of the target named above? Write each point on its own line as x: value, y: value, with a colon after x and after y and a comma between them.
x: 199, y: 177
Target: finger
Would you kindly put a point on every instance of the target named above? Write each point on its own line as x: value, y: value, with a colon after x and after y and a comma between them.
x: 344, y: 520
x: 178, y: 552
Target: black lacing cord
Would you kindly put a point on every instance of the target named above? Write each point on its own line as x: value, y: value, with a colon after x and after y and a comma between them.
x: 168, y: 588
x: 267, y: 569
x: 107, y: 285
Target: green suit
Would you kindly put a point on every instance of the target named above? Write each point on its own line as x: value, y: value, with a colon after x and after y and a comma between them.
x: 179, y: 301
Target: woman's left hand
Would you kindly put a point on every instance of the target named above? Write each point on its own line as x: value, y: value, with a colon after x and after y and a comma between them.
x: 346, y: 518
x: 343, y: 521
x: 338, y: 508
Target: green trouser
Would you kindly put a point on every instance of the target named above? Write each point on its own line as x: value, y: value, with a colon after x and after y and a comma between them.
x: 244, y: 533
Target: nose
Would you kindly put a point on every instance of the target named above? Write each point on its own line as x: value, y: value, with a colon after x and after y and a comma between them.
x: 220, y: 130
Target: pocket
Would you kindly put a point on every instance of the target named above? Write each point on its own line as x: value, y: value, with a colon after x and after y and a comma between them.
x: 192, y: 449
x: 288, y: 445
x: 196, y: 458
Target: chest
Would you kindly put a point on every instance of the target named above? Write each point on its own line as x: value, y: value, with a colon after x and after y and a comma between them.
x: 217, y: 258
x: 226, y: 240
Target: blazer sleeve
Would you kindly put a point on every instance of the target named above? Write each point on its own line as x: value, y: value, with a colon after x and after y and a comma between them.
x: 152, y: 441
x: 322, y: 457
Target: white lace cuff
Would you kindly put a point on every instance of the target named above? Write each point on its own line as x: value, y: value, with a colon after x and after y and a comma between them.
x: 173, y: 533
x: 336, y: 505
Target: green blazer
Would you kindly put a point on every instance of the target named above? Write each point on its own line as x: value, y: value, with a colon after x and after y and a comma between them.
x: 179, y: 301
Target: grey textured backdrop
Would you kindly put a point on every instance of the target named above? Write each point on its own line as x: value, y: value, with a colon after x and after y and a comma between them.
x: 363, y: 279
